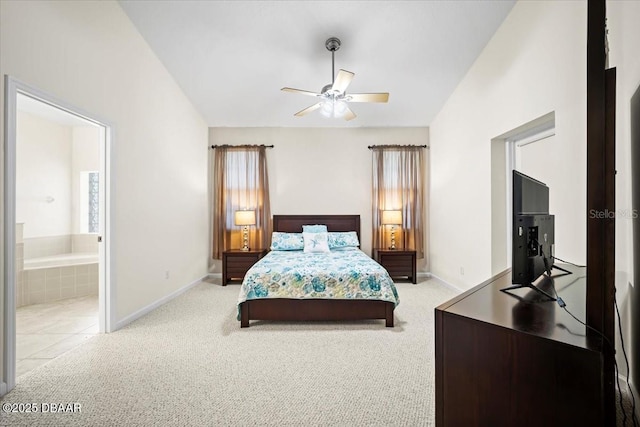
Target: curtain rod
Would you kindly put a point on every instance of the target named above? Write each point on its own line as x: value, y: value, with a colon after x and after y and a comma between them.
x: 227, y: 145
x: 370, y: 147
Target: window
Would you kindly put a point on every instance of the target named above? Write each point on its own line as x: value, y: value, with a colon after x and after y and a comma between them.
x: 89, y: 202
x: 239, y: 182
x: 398, y: 184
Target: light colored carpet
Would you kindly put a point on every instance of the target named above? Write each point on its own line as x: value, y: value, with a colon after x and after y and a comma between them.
x: 189, y: 363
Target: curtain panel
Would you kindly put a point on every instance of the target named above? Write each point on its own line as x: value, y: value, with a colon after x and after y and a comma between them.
x: 239, y: 182
x: 399, y: 184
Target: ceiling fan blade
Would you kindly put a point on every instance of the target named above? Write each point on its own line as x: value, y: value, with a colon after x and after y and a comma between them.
x: 343, y: 79
x: 368, y: 97
x: 308, y: 110
x: 300, y: 91
x: 349, y: 115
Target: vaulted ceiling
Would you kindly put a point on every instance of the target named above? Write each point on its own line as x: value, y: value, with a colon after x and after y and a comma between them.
x: 231, y: 58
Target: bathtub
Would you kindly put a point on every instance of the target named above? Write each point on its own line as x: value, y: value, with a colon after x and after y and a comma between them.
x: 62, y: 260
x: 52, y: 278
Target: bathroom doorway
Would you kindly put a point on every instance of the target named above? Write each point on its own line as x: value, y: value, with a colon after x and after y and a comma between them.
x: 57, y: 167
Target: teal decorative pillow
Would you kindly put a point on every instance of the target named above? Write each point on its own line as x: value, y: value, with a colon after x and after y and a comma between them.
x: 317, y: 228
x: 343, y: 239
x: 316, y: 242
x: 286, y: 241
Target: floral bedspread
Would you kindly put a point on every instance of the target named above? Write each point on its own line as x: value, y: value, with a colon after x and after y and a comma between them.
x: 333, y: 275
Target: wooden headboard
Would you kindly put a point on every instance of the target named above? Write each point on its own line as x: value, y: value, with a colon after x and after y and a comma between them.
x: 294, y: 223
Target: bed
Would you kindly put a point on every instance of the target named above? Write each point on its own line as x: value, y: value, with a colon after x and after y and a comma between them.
x: 325, y: 300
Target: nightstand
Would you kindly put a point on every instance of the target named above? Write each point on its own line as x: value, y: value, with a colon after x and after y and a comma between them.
x: 236, y: 262
x: 398, y: 262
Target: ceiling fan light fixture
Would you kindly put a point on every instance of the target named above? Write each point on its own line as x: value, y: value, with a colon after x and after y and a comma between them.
x: 333, y: 97
x: 333, y: 108
x: 339, y: 108
x: 327, y: 108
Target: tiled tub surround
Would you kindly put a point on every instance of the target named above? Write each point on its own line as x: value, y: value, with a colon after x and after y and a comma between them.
x: 48, y: 284
x: 56, y: 268
x: 37, y: 247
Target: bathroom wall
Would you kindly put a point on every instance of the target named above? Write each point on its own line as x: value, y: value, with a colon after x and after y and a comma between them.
x: 51, y: 157
x: 43, y: 179
x: 50, y: 160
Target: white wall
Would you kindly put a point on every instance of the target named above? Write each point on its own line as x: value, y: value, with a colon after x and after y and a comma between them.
x: 624, y: 43
x: 90, y: 55
x: 534, y: 65
x: 322, y: 170
x: 43, y: 179
x: 49, y: 158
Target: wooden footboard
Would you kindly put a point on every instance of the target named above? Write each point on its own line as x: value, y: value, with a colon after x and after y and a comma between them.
x: 315, y: 309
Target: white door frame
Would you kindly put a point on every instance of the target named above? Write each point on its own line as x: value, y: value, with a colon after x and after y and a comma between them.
x: 513, y: 158
x: 13, y: 87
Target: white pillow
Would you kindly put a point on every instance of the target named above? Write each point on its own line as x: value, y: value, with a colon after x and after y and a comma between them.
x: 315, y: 228
x: 316, y: 242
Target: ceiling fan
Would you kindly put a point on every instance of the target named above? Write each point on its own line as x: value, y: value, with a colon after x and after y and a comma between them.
x: 333, y: 98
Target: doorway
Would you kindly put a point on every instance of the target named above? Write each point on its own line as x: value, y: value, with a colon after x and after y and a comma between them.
x: 57, y: 287
x: 515, y: 149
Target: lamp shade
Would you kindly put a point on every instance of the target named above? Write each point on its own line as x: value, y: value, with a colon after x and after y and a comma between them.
x: 245, y: 217
x: 391, y: 217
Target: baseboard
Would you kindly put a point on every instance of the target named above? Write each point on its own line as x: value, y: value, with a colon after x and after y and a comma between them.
x: 148, y: 309
x: 447, y: 284
x: 3, y: 388
x: 623, y: 380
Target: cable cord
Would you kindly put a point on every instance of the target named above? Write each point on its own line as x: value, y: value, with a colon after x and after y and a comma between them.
x: 615, y: 362
x: 590, y: 327
x: 563, y: 305
x: 568, y: 262
x: 634, y: 418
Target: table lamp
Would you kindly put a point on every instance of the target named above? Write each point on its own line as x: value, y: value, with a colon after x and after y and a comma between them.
x: 392, y: 218
x: 245, y: 218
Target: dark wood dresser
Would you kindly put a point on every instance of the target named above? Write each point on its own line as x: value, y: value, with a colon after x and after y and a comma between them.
x: 518, y: 359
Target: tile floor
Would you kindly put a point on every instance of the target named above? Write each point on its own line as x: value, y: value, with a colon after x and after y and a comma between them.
x: 45, y: 331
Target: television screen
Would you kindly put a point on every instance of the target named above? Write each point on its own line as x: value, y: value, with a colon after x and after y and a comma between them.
x: 530, y: 196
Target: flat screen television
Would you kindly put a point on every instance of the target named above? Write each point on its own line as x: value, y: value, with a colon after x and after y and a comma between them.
x: 532, y: 233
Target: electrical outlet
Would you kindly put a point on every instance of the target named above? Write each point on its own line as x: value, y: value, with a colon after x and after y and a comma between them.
x: 462, y: 271
x: 166, y: 274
